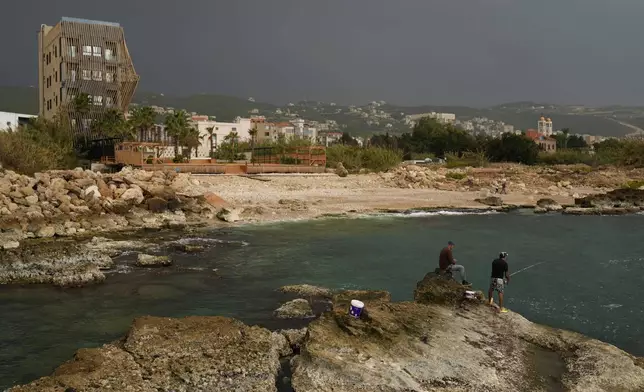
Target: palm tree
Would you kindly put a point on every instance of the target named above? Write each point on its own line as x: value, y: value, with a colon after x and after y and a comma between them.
x: 253, y: 135
x: 113, y: 124
x: 177, y: 126
x: 142, y: 120
x: 191, y: 139
x: 212, y: 136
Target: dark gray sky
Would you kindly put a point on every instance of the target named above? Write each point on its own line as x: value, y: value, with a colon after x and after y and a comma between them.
x: 470, y: 52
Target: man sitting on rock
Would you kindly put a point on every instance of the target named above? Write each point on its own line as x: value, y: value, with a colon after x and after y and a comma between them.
x: 447, y: 263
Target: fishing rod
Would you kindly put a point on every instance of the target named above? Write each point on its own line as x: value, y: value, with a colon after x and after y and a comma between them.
x: 526, y: 268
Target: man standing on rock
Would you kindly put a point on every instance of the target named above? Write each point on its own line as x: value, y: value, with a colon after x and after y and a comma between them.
x: 447, y: 263
x: 500, y: 275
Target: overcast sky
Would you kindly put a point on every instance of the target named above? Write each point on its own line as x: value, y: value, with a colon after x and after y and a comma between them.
x: 469, y: 52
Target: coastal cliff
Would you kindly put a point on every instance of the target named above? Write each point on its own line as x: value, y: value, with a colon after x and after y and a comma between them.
x: 439, y: 342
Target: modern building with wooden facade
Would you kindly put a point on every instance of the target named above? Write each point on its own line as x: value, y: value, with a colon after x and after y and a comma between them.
x: 84, y: 70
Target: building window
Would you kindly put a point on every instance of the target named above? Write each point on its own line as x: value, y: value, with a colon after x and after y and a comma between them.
x: 109, y: 54
x: 98, y: 100
x: 234, y: 130
x: 97, y: 75
x: 56, y: 76
x: 71, y: 51
x: 98, y: 51
x: 267, y: 134
x: 72, y: 75
x: 87, y: 74
x: 108, y: 77
x: 109, y: 101
x: 74, y: 122
x: 87, y: 50
x: 56, y: 101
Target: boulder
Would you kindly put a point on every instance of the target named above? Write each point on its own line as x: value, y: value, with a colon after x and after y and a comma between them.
x: 103, y: 188
x: 549, y: 205
x: 143, y: 260
x: 134, y: 195
x: 492, y: 201
x: 156, y: 204
x: 31, y: 200
x: 215, y: 201
x: 307, y: 290
x: 229, y: 215
x: 46, y: 232
x: 9, y: 245
x: 341, y: 171
x: 166, y: 354
x: 294, y: 337
x: 297, y: 308
x: 92, y: 192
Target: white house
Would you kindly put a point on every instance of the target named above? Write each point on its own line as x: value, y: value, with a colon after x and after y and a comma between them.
x: 9, y: 120
x: 220, y: 130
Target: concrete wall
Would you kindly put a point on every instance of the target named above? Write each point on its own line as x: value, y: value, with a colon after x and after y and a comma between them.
x: 12, y: 120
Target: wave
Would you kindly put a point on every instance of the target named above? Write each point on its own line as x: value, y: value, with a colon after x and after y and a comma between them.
x: 422, y: 214
x: 205, y: 240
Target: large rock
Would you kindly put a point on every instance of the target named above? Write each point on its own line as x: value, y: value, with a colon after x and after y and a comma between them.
x: 618, y: 198
x: 428, y: 346
x: 295, y: 309
x: 306, y: 290
x: 492, y: 201
x: 144, y: 260
x: 229, y: 215
x: 156, y: 204
x: 340, y: 170
x: 545, y: 205
x: 164, y: 354
x: 133, y: 195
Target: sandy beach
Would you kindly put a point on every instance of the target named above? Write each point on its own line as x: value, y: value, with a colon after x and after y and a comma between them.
x: 284, y: 197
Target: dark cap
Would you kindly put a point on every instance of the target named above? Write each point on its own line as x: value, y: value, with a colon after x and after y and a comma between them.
x: 451, y: 243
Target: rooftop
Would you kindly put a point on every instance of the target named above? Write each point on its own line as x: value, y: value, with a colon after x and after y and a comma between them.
x: 88, y: 21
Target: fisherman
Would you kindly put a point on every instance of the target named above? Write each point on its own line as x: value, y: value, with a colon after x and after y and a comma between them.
x: 447, y: 263
x: 500, y: 277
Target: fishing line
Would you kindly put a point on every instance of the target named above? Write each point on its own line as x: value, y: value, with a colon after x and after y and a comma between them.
x: 526, y: 268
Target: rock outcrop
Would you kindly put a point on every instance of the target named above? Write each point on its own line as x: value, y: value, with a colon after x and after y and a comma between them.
x: 295, y: 309
x: 163, y: 354
x: 446, y: 342
x: 144, y: 260
x: 618, y: 198
x: 442, y: 341
x: 547, y: 205
x: 307, y: 290
x: 61, y: 264
x: 62, y: 203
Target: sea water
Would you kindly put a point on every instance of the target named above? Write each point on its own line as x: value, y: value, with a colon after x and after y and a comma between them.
x: 590, y: 279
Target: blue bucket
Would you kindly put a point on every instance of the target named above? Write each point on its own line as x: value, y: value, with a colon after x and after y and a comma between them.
x: 356, y: 307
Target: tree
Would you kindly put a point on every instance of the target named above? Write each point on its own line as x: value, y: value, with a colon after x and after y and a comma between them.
x: 212, y: 136
x: 576, y: 141
x: 228, y: 149
x: 253, y: 136
x: 191, y: 140
x: 142, y: 121
x: 177, y: 127
x: 82, y: 103
x: 112, y: 124
x: 513, y: 148
x: 348, y: 140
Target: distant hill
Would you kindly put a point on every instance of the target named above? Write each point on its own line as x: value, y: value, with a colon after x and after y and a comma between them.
x: 523, y: 115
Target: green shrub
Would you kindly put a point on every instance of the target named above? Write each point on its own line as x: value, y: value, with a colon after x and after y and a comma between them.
x: 466, y: 159
x: 355, y: 158
x: 286, y: 160
x: 634, y: 184
x: 565, y: 157
x: 379, y: 159
x: 455, y: 175
x: 39, y: 146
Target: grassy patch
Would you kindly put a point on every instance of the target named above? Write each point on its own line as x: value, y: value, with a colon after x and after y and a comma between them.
x: 356, y: 158
x: 455, y: 175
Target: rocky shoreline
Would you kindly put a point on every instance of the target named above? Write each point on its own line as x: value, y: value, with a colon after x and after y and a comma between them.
x: 441, y: 341
x: 47, y: 222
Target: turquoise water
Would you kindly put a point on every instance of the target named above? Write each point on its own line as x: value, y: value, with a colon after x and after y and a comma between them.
x: 590, y: 281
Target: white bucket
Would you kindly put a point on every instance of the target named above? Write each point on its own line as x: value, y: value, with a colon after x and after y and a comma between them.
x: 356, y: 308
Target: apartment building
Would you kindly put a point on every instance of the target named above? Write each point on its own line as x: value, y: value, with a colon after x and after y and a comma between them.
x: 84, y: 70
x: 220, y: 130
